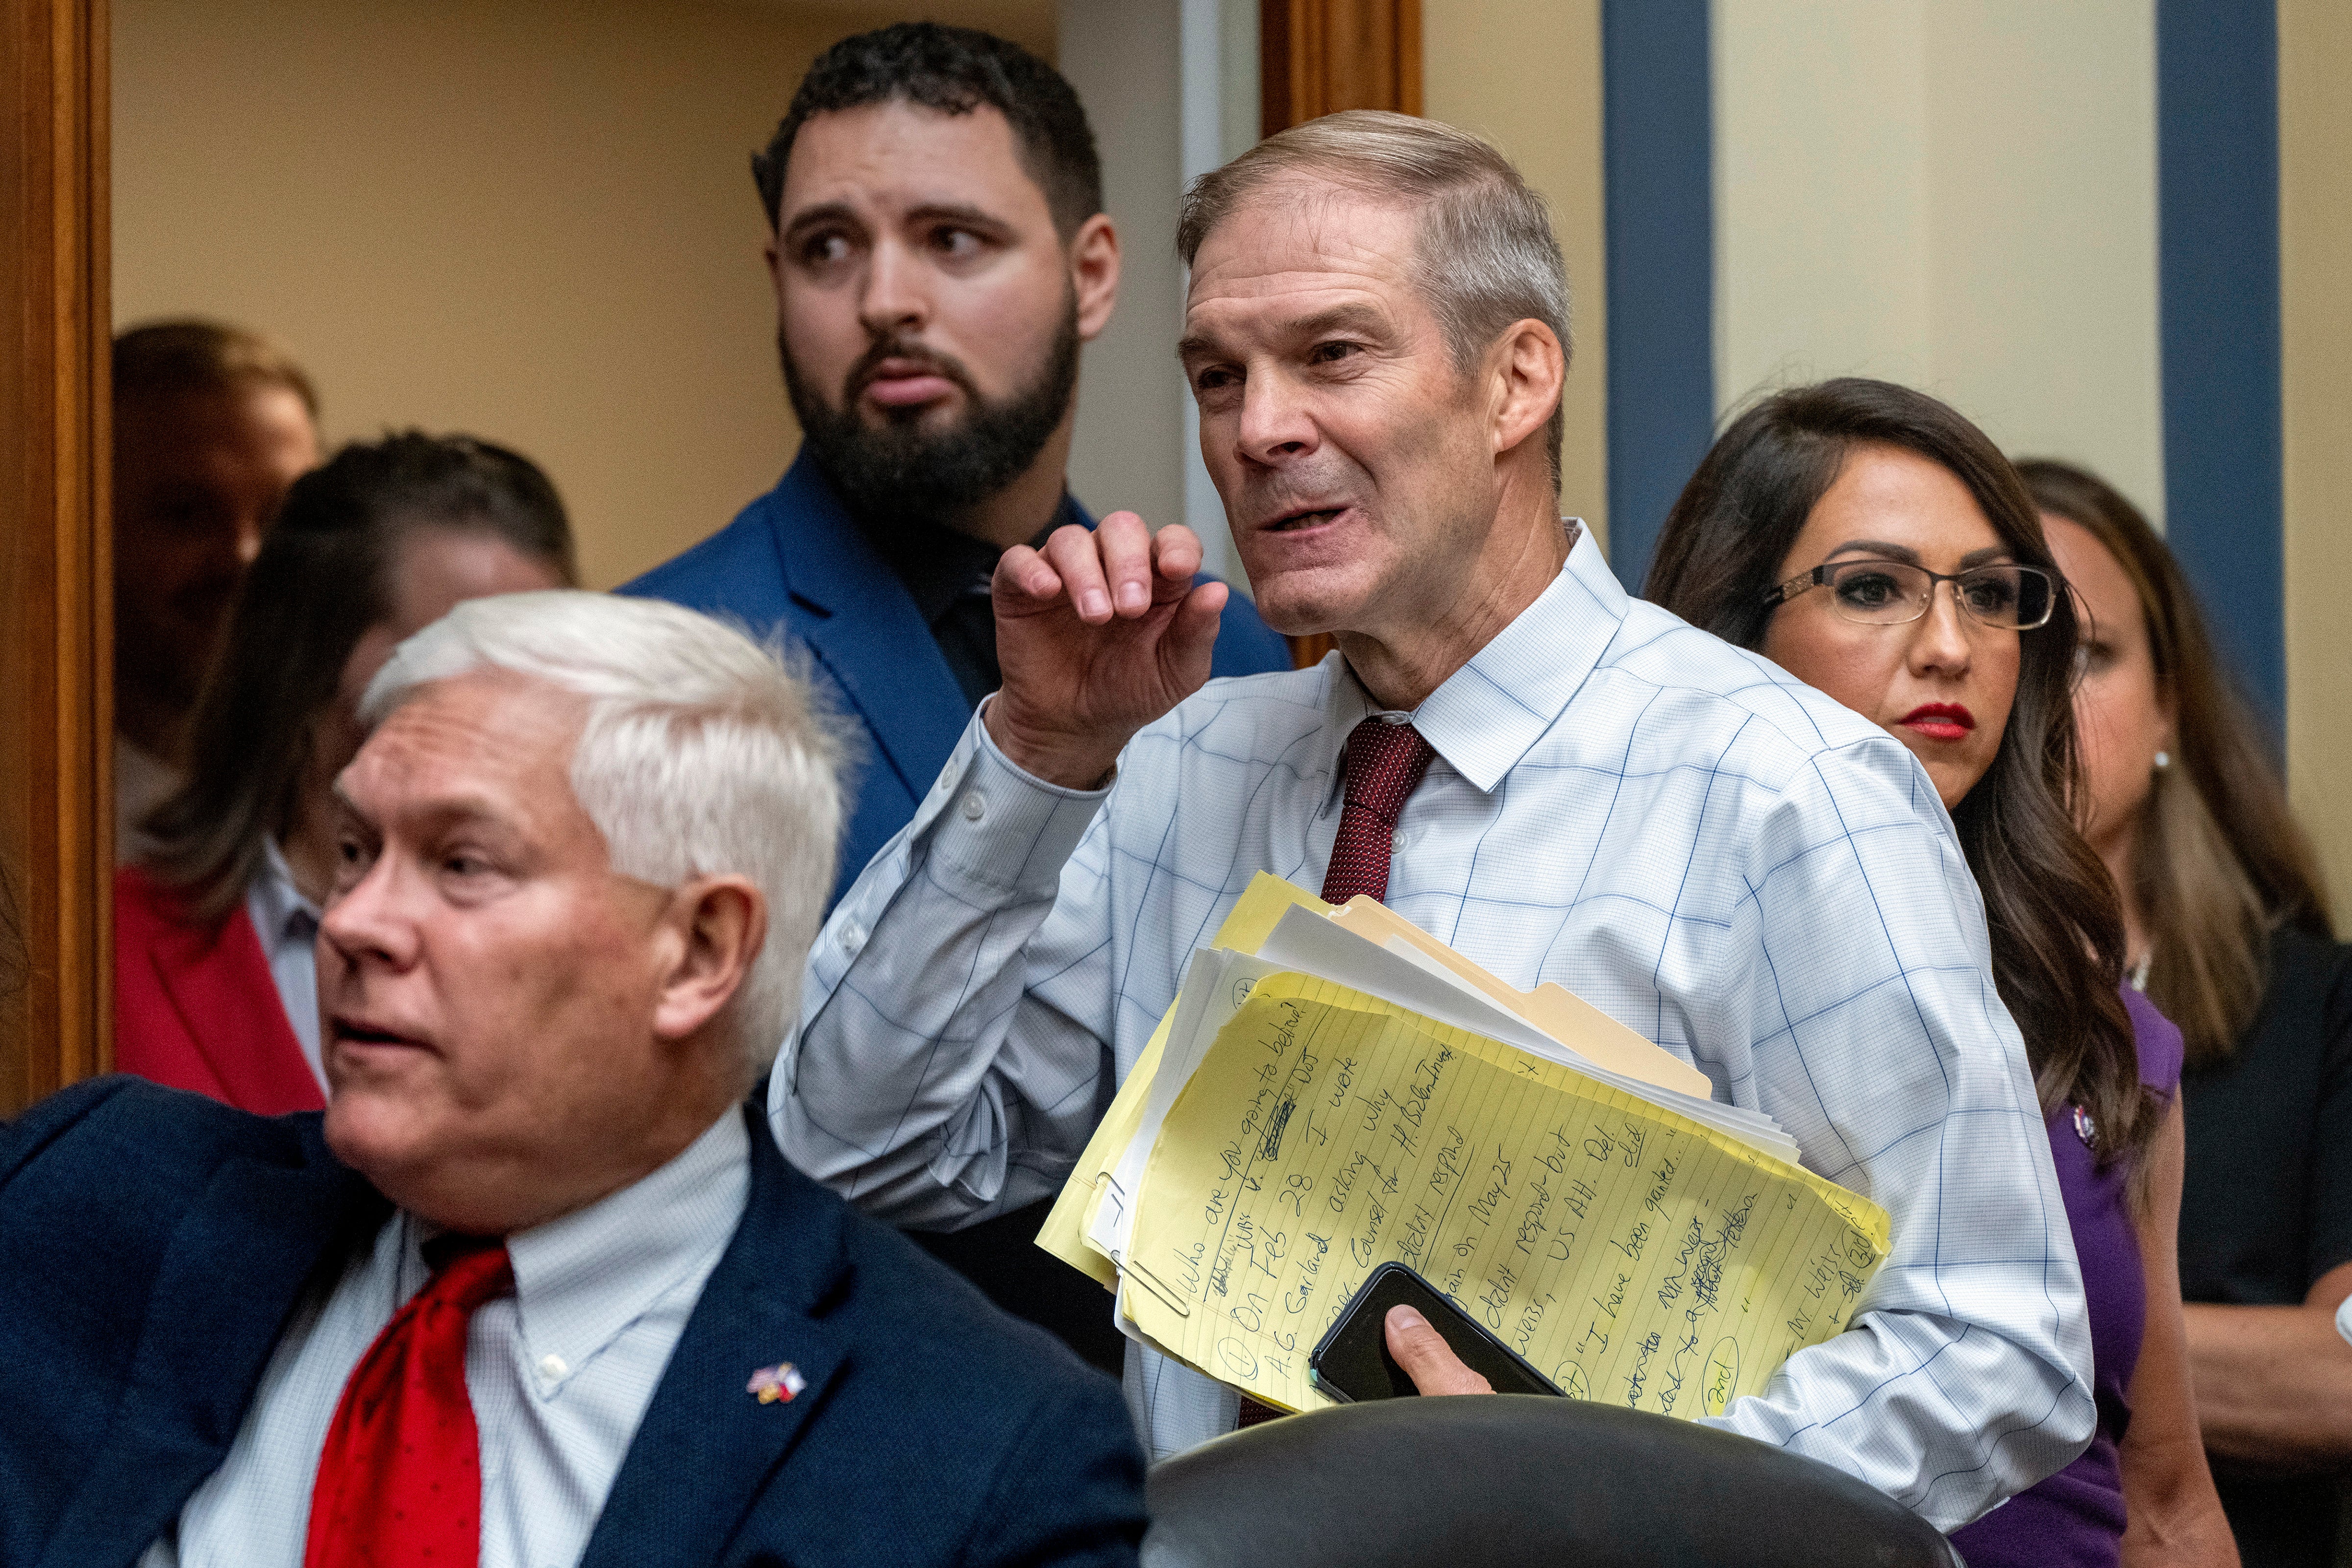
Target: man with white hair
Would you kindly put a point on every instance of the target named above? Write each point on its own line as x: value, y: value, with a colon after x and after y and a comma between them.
x: 1564, y: 784
x: 538, y: 1288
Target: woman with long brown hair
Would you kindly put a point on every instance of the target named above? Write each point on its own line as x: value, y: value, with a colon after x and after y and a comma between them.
x: 1875, y: 544
x: 2226, y: 928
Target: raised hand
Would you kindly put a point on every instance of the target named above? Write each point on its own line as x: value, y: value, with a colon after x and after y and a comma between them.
x: 1097, y: 635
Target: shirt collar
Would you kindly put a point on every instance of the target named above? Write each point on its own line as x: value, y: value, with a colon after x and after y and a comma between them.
x: 580, y: 1280
x: 1486, y: 715
x: 280, y: 910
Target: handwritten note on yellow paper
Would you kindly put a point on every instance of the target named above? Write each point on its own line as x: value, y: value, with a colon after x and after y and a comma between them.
x: 1633, y: 1255
x: 1247, y: 926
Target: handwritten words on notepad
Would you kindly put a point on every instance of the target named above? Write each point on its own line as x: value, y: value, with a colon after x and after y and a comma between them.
x: 1630, y: 1254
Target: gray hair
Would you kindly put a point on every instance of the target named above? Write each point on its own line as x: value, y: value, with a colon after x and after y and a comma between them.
x: 702, y: 754
x: 1488, y: 256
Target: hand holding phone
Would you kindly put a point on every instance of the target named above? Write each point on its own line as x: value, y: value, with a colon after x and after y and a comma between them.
x: 1353, y: 1363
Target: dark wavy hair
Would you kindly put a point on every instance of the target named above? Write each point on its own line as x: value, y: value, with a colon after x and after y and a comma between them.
x: 2220, y: 861
x: 951, y: 71
x: 2055, y: 923
x: 323, y: 577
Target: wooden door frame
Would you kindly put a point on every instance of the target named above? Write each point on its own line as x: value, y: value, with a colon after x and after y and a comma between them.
x: 1318, y: 57
x: 57, y: 572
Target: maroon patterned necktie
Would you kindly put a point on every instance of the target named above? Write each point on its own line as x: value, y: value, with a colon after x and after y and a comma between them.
x: 1382, y: 764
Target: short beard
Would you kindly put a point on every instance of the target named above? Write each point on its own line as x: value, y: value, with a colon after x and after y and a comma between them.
x: 901, y: 469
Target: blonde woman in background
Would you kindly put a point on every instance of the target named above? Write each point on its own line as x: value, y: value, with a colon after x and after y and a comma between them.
x: 2227, y: 930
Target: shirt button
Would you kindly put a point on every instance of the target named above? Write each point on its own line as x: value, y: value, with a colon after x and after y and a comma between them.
x: 975, y: 807
x: 853, y: 936
x: 1396, y: 718
x: 551, y: 1367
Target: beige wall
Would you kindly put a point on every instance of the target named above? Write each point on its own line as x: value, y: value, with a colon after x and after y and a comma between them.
x: 1820, y: 200
x: 2315, y: 263
x: 533, y: 223
x: 1526, y: 74
x: 1959, y: 194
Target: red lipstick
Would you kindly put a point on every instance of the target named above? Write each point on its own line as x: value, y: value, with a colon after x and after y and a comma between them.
x: 1939, y: 721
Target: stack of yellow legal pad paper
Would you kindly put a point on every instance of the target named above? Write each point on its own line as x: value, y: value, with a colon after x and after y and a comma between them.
x: 1334, y: 1090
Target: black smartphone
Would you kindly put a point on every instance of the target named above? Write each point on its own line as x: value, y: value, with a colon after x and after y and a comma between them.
x: 1352, y: 1362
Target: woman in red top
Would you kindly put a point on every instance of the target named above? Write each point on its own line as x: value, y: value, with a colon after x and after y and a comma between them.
x: 215, y: 988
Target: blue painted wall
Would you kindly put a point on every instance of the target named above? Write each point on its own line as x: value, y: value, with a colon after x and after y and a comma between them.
x: 2217, y: 194
x: 1657, y: 157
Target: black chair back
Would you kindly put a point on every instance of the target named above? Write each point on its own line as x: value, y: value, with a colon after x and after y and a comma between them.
x: 1516, y: 1478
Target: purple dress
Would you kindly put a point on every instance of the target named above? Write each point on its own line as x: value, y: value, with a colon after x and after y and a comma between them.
x: 2076, y: 1517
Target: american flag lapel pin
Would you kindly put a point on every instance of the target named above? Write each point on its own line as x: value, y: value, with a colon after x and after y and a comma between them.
x: 776, y: 1384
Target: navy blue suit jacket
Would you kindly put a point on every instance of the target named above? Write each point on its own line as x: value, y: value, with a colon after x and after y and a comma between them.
x: 794, y: 558
x: 153, y: 1244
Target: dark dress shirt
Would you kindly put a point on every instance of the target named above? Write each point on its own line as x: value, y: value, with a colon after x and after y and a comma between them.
x: 947, y: 573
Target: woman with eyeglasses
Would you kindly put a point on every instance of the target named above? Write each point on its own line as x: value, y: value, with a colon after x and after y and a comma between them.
x: 1875, y: 544
x: 2227, y: 932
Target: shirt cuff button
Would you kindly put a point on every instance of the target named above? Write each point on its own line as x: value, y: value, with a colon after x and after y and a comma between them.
x: 975, y: 807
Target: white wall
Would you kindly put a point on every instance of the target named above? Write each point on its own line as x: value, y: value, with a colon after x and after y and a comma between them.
x: 1959, y: 194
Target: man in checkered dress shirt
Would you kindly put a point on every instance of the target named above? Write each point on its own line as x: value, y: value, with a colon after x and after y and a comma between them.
x: 1727, y: 861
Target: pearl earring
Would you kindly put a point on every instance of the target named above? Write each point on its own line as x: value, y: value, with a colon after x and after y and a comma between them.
x: 2163, y: 760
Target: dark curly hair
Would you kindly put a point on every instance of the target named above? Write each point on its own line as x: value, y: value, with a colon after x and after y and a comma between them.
x: 2055, y: 919
x: 953, y: 70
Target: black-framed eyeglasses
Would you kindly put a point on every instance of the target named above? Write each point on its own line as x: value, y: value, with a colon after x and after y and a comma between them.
x: 1890, y: 593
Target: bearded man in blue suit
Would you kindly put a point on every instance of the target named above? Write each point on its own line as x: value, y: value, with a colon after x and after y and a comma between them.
x: 537, y: 1288
x: 940, y: 252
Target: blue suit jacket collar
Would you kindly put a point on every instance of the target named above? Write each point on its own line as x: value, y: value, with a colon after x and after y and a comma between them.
x: 707, y: 1444
x: 863, y: 625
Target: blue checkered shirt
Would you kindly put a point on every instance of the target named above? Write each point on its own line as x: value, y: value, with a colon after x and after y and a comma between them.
x: 1725, y: 860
